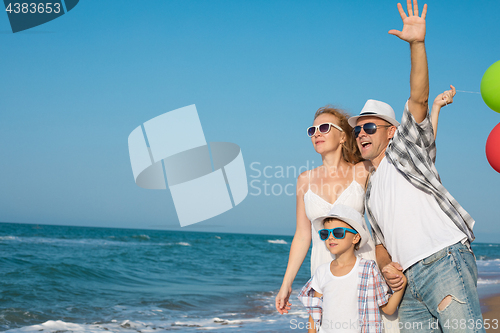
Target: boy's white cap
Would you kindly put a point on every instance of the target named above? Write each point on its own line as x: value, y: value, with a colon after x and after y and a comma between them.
x: 350, y: 216
x: 378, y: 109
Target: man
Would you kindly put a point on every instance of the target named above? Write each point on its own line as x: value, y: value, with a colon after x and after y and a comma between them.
x: 414, y: 218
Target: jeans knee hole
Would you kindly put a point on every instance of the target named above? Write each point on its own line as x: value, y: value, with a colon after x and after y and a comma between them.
x: 446, y: 302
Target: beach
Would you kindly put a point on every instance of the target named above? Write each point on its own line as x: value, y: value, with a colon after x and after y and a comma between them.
x: 491, y: 310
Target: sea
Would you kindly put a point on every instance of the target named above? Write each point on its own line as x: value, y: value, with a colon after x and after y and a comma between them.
x: 83, y: 279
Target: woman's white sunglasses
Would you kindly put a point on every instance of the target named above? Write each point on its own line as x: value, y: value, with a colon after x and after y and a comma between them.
x: 322, y: 128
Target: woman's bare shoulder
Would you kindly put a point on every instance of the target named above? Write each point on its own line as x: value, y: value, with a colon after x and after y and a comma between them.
x: 363, y: 169
x: 303, y: 181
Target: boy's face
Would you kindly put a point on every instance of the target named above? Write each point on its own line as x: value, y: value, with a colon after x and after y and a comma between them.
x: 339, y: 246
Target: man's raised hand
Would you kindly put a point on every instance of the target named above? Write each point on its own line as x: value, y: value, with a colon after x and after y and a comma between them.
x: 413, y: 25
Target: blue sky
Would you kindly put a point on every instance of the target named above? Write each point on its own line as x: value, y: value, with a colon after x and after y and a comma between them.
x: 74, y: 88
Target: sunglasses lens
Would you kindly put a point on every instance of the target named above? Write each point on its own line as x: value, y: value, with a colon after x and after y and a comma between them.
x: 370, y: 128
x: 338, y: 233
x: 357, y: 130
x: 311, y: 130
x: 324, y: 234
x: 324, y: 128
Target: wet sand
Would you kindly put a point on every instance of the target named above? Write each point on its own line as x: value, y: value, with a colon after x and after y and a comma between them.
x: 491, y: 312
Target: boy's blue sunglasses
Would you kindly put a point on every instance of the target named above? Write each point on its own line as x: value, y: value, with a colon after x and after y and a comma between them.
x: 338, y: 233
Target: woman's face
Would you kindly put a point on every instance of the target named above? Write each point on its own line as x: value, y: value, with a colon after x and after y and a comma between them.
x: 331, y: 141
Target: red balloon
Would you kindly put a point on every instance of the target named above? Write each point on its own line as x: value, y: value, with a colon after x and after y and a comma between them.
x: 493, y: 148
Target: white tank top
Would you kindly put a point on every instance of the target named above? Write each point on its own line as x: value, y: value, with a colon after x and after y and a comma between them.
x: 315, y: 206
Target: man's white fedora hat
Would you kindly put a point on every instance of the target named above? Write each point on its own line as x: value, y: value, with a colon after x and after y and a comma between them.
x: 378, y: 109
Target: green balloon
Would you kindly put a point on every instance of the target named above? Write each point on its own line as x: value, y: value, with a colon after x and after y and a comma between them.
x: 490, y: 87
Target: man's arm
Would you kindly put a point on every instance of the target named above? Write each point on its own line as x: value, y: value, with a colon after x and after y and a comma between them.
x: 414, y: 33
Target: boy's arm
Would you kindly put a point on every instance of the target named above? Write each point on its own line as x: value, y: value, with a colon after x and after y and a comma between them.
x: 390, y: 307
x: 441, y: 100
x: 414, y: 33
x: 312, y: 327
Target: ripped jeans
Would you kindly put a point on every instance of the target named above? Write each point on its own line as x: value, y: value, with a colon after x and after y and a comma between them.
x: 451, y: 271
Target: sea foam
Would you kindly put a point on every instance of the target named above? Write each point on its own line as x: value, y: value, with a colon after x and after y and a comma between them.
x: 277, y: 241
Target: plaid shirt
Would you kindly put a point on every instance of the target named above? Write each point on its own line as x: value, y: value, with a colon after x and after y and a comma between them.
x: 372, y: 293
x: 412, y: 152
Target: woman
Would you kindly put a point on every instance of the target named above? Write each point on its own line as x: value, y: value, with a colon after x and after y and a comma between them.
x: 340, y: 179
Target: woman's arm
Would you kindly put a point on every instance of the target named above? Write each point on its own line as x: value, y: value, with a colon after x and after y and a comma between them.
x: 441, y: 100
x: 298, y: 250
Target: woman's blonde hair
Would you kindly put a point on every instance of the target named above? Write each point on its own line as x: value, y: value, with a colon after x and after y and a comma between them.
x: 350, y: 151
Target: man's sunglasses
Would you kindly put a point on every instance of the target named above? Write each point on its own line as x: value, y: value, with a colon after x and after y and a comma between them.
x: 369, y: 128
x: 322, y: 128
x: 338, y: 233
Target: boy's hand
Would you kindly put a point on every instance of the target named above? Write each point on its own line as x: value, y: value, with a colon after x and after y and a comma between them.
x: 393, y: 274
x: 413, y: 25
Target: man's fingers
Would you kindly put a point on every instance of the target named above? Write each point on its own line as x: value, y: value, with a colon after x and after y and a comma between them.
x: 453, y: 90
x: 395, y: 284
x: 415, y: 8
x: 401, y: 11
x: 396, y: 265
x: 397, y: 288
x: 398, y: 284
x: 424, y: 11
x: 389, y: 271
x: 392, y: 277
x: 408, y: 6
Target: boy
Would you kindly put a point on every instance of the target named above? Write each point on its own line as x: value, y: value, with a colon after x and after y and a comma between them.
x: 348, y: 291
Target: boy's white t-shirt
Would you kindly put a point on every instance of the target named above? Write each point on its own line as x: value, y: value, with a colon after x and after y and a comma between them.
x: 340, y: 299
x: 413, y: 224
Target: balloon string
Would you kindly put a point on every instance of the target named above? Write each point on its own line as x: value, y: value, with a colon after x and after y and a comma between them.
x: 470, y: 92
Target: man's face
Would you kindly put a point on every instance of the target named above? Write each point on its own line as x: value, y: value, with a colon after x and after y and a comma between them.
x: 372, y: 146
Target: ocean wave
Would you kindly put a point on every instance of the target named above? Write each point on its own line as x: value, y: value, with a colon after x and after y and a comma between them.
x: 141, y: 237
x: 277, y: 241
x: 487, y: 262
x: 219, y: 324
x: 8, y: 238
x: 487, y: 281
x: 139, y: 240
